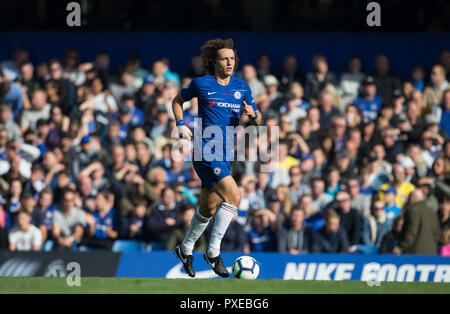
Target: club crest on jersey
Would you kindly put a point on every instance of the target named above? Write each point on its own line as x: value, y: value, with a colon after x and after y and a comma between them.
x: 237, y: 95
x: 217, y: 171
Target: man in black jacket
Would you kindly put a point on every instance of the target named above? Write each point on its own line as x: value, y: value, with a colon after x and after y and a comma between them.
x: 331, y: 238
x: 351, y: 220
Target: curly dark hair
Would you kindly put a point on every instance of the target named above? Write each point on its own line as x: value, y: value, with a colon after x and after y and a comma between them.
x: 210, y: 49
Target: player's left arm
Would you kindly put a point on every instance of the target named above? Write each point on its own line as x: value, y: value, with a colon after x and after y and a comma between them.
x: 250, y: 109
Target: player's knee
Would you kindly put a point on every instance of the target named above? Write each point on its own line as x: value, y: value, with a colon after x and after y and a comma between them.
x: 234, y: 199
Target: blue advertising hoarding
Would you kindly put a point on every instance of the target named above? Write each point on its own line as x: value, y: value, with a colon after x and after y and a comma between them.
x: 371, y: 268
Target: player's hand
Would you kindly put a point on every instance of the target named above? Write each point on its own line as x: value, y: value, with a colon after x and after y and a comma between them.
x: 248, y: 110
x: 184, y: 132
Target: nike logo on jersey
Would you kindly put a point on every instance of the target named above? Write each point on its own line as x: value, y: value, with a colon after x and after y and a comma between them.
x: 211, y: 93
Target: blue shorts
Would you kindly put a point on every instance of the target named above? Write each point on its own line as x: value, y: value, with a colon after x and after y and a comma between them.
x: 212, y: 172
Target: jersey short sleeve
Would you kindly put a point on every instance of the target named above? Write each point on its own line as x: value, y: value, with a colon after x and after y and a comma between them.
x: 248, y: 97
x: 190, y: 91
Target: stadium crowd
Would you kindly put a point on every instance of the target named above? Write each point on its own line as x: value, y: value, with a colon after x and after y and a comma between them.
x: 86, y: 157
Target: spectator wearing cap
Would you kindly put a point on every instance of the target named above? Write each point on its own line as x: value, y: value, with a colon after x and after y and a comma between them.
x: 432, y: 95
x: 385, y: 80
x: 6, y: 122
x: 296, y: 236
x: 369, y: 103
x: 275, y: 96
x: 327, y: 110
x: 319, y: 78
x: 137, y: 115
x: 85, y: 156
x: 409, y: 166
x: 331, y: 238
x: 350, y: 81
x: 359, y: 201
x: 11, y: 94
x: 391, y: 209
x: 402, y: 187
x: 146, y: 98
x: 24, y: 236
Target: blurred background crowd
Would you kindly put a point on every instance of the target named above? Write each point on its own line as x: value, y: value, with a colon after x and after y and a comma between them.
x: 86, y: 162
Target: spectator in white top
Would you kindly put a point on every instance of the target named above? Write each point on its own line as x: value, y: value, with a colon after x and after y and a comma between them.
x: 250, y: 76
x: 24, y: 236
x: 101, y: 100
x: 320, y: 198
x: 350, y: 81
x: 40, y: 109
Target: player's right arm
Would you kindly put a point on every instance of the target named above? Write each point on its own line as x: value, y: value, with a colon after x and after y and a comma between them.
x: 186, y: 94
x: 177, y: 107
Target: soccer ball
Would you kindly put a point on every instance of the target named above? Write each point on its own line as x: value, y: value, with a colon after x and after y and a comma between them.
x: 245, y: 267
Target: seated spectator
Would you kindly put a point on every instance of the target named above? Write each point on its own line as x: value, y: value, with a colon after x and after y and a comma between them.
x: 261, y: 237
x: 432, y: 95
x: 125, y: 86
x: 317, y: 80
x: 296, y: 237
x: 327, y: 110
x: 66, y: 90
x: 164, y: 217
x: 40, y: 109
x: 176, y: 237
x: 333, y: 180
x: 297, y: 188
x: 402, y: 187
x: 360, y: 202
x: 46, y: 207
x: 24, y: 236
x: 290, y: 73
x: 331, y: 238
x: 391, y: 208
x: 351, y: 220
x: 445, y: 242
x: 11, y: 94
x: 392, y: 238
x: 369, y: 103
x: 68, y: 222
x: 275, y: 96
x: 385, y: 80
x: 11, y: 67
x: 28, y: 204
x: 132, y: 225
x: 103, y: 225
x: 350, y: 81
x: 7, y: 122
x: 375, y: 227
x: 313, y: 218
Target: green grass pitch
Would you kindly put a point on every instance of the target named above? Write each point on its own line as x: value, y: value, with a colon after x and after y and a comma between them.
x: 207, y: 286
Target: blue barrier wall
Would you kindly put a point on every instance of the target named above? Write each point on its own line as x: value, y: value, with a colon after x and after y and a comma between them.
x: 403, y: 50
x: 371, y: 268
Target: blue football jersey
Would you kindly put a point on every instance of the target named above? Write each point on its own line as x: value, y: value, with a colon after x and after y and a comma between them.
x: 369, y: 108
x: 219, y: 105
x: 111, y: 219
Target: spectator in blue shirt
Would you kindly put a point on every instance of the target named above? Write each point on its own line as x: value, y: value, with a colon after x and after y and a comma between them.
x: 369, y: 103
x: 11, y: 94
x: 137, y: 115
x: 103, y: 225
x: 391, y: 209
x: 132, y: 225
x: 261, y: 238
